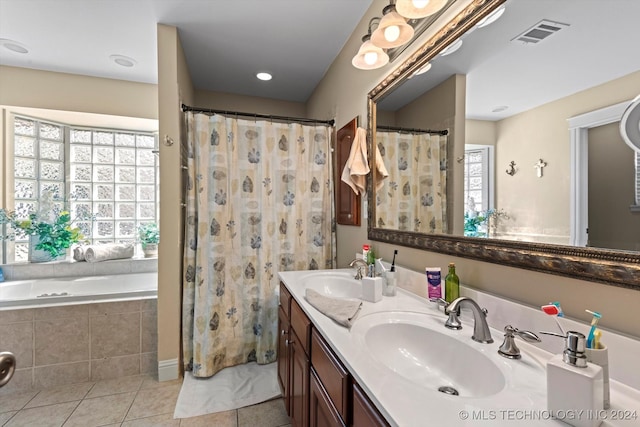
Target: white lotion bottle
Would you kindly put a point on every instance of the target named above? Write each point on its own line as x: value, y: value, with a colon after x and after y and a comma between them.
x: 574, y: 387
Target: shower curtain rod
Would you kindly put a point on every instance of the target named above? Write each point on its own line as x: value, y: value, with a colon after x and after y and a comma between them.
x: 412, y: 130
x: 186, y: 108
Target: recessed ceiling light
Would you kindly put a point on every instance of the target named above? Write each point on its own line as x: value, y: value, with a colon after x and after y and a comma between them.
x: 491, y: 18
x: 13, y: 46
x: 264, y: 76
x: 422, y: 70
x: 451, y: 48
x: 124, y: 61
x: 499, y: 108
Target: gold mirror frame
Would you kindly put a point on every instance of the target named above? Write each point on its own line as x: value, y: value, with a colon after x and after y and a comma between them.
x: 611, y: 267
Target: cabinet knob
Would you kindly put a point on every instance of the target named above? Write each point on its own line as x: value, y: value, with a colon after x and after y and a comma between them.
x: 287, y: 342
x: 283, y: 332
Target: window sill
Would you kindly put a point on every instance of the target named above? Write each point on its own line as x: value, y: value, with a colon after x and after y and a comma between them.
x: 71, y: 268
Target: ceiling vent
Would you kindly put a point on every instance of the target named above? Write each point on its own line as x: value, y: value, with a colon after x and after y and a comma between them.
x: 540, y: 31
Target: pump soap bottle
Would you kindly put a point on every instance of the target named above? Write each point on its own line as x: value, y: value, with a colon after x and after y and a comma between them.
x: 573, y: 385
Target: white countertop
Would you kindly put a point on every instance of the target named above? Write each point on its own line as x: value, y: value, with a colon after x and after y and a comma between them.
x: 405, y: 403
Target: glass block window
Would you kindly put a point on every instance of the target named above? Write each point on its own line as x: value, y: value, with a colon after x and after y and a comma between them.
x: 110, y: 174
x: 39, y: 166
x: 114, y: 176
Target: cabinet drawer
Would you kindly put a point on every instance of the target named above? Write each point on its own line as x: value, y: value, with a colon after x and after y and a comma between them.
x: 285, y: 300
x: 301, y: 325
x: 333, y: 376
x: 364, y: 413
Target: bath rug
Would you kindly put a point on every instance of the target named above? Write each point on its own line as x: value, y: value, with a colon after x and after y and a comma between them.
x: 231, y: 388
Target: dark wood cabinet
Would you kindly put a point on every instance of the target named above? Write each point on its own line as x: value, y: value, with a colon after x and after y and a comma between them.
x: 364, y: 413
x: 347, y: 202
x: 322, y: 413
x: 283, y: 356
x: 318, y: 390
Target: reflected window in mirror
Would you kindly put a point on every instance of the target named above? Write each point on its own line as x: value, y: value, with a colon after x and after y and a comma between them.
x: 478, y: 190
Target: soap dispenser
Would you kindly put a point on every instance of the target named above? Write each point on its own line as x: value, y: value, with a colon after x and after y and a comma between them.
x: 574, y: 387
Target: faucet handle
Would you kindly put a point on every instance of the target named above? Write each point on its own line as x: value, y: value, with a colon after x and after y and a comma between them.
x: 440, y: 301
x: 509, y: 349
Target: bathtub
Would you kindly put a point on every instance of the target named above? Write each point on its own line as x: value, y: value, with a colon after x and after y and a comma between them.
x: 57, y: 291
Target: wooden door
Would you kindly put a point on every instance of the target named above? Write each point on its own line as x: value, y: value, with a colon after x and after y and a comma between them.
x: 322, y: 413
x: 364, y: 413
x: 347, y: 202
x: 299, y: 383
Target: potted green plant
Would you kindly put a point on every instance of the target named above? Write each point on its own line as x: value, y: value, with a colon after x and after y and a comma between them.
x: 149, y: 236
x: 50, y: 232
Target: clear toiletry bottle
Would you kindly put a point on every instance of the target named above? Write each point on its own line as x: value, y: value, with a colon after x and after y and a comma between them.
x: 451, y: 284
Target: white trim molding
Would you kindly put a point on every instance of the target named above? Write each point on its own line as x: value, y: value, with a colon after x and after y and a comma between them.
x: 579, y: 130
x: 168, y: 370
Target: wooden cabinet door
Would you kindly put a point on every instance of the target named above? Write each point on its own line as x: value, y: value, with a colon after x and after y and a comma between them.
x: 347, y: 202
x: 364, y: 413
x: 299, y: 383
x: 322, y: 413
x: 284, y: 360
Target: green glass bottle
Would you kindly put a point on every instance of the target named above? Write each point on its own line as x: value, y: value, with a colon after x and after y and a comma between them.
x: 451, y: 284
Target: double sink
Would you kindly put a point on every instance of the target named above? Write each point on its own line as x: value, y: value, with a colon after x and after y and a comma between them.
x: 412, y: 365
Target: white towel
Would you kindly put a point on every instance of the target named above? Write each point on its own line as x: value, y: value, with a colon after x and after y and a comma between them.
x: 357, y: 166
x: 96, y: 253
x: 381, y: 170
x: 79, y: 253
x: 342, y: 311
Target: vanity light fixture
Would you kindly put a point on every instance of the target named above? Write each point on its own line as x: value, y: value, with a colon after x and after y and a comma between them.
x: 13, y: 46
x: 491, y: 18
x: 264, y: 76
x: 416, y: 9
x: 393, y: 30
x: 451, y: 48
x: 370, y: 56
x: 123, y: 61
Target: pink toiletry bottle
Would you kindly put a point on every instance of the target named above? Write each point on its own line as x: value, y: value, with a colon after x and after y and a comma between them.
x: 434, y: 286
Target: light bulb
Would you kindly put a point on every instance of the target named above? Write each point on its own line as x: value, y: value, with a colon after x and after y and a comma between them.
x: 391, y: 33
x: 419, y: 4
x: 370, y: 58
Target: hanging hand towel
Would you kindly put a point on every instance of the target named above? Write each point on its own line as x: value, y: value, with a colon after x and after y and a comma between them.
x: 357, y: 166
x: 96, y: 253
x: 381, y: 170
x: 342, y: 311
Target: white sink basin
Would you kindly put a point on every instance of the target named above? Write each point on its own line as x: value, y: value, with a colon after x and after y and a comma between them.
x: 418, y: 347
x: 333, y: 284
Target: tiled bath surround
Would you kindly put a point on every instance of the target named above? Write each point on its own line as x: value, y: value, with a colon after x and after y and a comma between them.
x: 77, y: 343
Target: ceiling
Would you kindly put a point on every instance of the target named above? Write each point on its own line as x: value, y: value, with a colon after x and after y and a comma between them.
x: 600, y: 44
x: 225, y: 42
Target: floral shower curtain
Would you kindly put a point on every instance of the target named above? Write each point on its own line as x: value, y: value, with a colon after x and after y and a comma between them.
x: 415, y: 194
x: 259, y: 201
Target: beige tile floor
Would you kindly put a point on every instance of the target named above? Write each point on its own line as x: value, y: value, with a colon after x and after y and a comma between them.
x: 139, y: 401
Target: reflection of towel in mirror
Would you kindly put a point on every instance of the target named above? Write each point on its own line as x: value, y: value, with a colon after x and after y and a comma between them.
x: 342, y: 311
x: 96, y: 253
x: 381, y: 170
x: 357, y: 166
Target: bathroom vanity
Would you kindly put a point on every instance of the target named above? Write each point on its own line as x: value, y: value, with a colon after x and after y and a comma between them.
x: 398, y: 363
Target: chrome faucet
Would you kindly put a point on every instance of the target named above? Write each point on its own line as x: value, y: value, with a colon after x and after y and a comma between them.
x: 358, y: 264
x: 509, y: 349
x: 452, y: 322
x: 481, y: 332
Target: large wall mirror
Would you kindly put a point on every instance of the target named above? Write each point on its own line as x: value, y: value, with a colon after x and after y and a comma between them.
x: 496, y: 146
